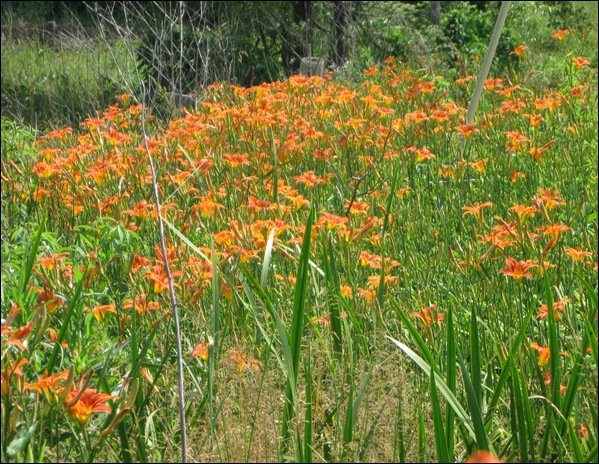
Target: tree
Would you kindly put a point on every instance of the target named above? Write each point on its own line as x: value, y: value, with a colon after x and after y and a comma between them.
x: 341, y: 20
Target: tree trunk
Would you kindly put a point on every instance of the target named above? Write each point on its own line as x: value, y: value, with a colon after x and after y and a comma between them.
x: 294, y: 47
x: 434, y: 13
x: 341, y: 20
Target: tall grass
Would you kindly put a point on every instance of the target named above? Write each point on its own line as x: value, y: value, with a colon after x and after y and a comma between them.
x: 48, y: 86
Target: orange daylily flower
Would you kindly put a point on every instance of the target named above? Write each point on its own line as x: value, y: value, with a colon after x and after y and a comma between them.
x: 579, y: 91
x: 160, y: 279
x: 515, y: 140
x: 464, y: 80
x: 243, y: 361
x: 524, y: 211
x: 559, y: 35
x: 428, y: 315
x: 483, y: 457
x: 141, y: 210
x: 321, y: 320
x: 374, y: 282
x: 100, y: 311
x: 14, y: 368
x: 467, y: 130
x: 534, y: 120
x: 51, y: 262
x: 516, y: 175
x: 141, y: 304
x: 537, y: 152
x: 367, y: 259
x: 83, y: 404
x: 517, y: 269
x: 357, y: 207
x: 578, y: 255
x: 206, y: 207
x: 332, y: 221
x: 543, y: 351
x: 479, y: 166
x: 368, y: 294
x: 557, y: 307
x: 60, y: 134
x: 236, y: 160
x: 476, y: 210
x: 579, y: 62
x: 423, y: 154
x: 16, y: 338
x: 310, y: 179
x: 519, y: 51
x: 551, y: 102
x: 555, y: 231
x: 417, y: 117
x: 549, y: 198
x: 491, y: 84
x: 401, y: 193
x: 202, y: 350
x: 47, y: 385
x: 346, y: 291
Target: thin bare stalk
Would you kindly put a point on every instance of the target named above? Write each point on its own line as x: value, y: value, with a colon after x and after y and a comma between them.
x: 171, y: 287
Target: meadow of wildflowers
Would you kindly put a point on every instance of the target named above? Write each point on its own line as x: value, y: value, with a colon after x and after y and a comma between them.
x: 361, y: 275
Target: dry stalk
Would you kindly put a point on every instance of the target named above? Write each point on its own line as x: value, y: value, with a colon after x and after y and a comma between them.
x: 171, y: 287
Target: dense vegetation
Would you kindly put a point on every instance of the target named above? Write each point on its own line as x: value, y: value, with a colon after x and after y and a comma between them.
x: 361, y: 274
x: 63, y: 61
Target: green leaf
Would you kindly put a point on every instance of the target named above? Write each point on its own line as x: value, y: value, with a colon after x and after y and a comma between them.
x: 441, y: 385
x: 28, y: 269
x: 267, y: 256
x: 440, y: 443
x: 297, y: 331
x: 334, y: 306
x: 21, y: 441
x: 451, y: 382
x: 73, y: 303
x: 308, y: 425
x: 482, y: 440
x: 475, y: 354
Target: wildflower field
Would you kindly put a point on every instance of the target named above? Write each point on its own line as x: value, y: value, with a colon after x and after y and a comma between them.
x: 360, y: 274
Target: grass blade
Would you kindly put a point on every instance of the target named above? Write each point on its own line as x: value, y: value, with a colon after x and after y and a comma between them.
x: 348, y: 428
x: 75, y: 301
x: 451, y: 383
x: 475, y: 354
x: 440, y: 437
x: 282, y: 332
x: 554, y: 359
x: 422, y: 346
x: 507, y: 366
x: 185, y: 240
x: 334, y: 306
x: 308, y: 424
x: 449, y: 396
x: 297, y: 330
x: 399, y: 447
x: 482, y: 440
x: 421, y: 436
x: 267, y: 256
x: 519, y: 432
x: 28, y: 269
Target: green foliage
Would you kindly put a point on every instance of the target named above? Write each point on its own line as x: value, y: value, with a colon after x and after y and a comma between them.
x: 469, y: 30
x: 17, y: 142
